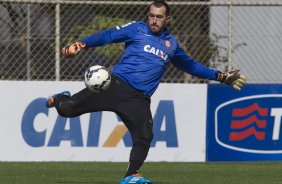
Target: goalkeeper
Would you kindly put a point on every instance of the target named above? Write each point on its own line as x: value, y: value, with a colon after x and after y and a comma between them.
x: 149, y: 48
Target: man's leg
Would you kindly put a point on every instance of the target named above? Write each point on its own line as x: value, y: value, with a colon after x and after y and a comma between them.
x: 72, y: 106
x: 136, y: 115
x: 141, y: 144
x: 86, y: 101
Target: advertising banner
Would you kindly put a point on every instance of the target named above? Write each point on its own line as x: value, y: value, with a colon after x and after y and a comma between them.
x: 31, y: 132
x: 244, y: 125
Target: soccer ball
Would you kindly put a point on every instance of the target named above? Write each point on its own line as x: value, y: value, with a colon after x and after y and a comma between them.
x: 97, y: 78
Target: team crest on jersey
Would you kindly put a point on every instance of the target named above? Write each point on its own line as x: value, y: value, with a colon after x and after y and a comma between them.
x: 168, y: 44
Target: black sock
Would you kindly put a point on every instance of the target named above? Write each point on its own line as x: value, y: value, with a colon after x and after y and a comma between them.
x: 133, y: 167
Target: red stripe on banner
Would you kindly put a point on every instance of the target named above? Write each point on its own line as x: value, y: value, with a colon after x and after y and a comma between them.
x: 239, y: 112
x: 237, y: 136
x: 246, y: 122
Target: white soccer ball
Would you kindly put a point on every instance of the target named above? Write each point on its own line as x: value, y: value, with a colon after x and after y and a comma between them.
x: 97, y: 78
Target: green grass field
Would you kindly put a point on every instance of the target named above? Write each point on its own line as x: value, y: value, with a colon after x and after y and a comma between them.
x: 182, y: 173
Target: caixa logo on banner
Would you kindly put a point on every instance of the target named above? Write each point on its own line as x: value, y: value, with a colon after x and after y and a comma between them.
x: 250, y: 124
x: 164, y: 116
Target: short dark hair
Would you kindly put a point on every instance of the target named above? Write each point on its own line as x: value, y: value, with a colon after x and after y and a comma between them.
x: 160, y: 3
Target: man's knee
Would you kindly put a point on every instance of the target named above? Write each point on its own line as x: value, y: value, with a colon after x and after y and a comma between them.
x: 66, y: 109
x: 145, y: 134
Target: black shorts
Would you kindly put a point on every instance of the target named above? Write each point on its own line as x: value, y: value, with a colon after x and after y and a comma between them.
x: 131, y: 105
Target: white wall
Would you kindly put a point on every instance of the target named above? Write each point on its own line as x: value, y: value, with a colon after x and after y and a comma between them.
x: 19, y: 131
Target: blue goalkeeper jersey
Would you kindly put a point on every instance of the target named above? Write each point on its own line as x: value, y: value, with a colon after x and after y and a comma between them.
x: 147, y: 55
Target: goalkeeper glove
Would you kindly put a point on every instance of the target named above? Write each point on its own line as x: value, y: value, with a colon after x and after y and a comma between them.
x: 73, y: 49
x: 233, y: 79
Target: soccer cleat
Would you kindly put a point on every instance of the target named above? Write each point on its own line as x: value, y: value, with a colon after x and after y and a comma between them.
x: 135, y: 179
x: 50, y: 100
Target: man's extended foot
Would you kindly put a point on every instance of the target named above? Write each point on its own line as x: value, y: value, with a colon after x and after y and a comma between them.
x: 135, y: 179
x: 51, y: 99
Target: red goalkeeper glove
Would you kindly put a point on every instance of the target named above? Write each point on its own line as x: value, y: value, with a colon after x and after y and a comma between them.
x: 233, y: 79
x: 73, y: 49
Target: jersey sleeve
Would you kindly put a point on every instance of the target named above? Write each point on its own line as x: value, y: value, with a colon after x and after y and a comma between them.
x: 183, y: 62
x: 113, y: 35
